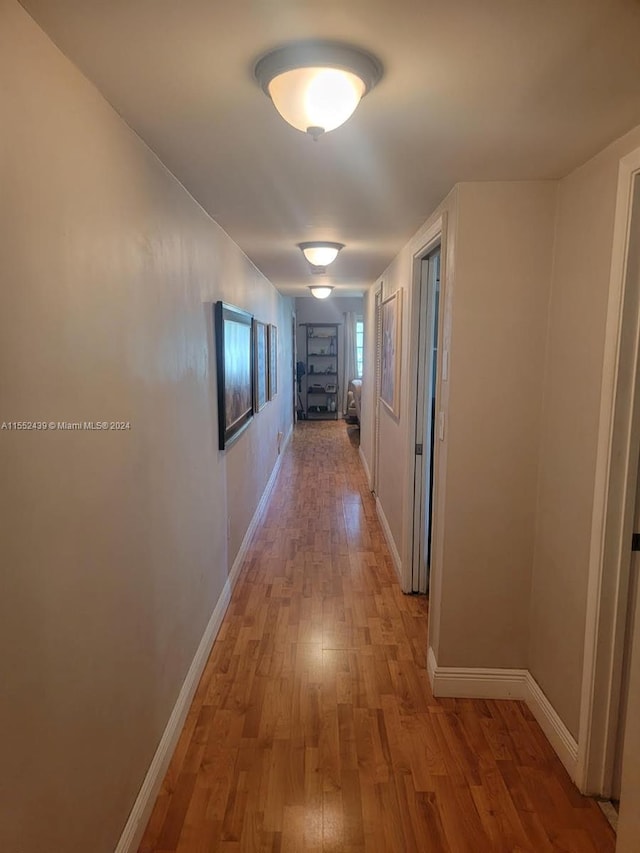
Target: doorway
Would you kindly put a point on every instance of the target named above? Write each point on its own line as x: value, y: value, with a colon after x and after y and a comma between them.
x: 376, y: 387
x: 616, y: 782
x: 610, y: 712
x: 294, y: 361
x: 428, y: 310
x: 620, y: 777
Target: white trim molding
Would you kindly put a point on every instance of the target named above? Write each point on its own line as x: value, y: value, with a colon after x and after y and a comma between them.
x: 613, y: 504
x: 435, y: 232
x: 432, y: 665
x: 257, y: 515
x: 143, y: 806
x: 477, y: 683
x: 558, y: 735
x: 393, y: 548
x: 365, y: 465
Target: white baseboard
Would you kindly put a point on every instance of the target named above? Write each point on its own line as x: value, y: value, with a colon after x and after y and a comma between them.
x: 143, y: 806
x: 476, y: 683
x: 395, y: 555
x: 558, y: 735
x: 257, y: 515
x: 365, y: 465
x: 432, y: 665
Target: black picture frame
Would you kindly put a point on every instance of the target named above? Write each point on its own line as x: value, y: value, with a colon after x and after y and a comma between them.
x: 234, y: 369
x: 260, y: 366
x: 273, y: 361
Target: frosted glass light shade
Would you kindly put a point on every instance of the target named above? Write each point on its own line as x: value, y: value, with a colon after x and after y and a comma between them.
x: 320, y: 253
x: 316, y: 100
x: 320, y: 291
x: 316, y: 85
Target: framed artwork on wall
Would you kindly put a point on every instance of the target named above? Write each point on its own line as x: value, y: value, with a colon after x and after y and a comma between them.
x: 273, y: 361
x: 260, y: 365
x: 234, y: 369
x: 390, y: 355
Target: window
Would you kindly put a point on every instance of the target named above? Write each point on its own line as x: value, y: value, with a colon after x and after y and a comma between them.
x: 359, y: 347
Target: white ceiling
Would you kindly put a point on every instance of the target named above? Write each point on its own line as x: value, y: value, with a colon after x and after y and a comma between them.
x: 496, y: 89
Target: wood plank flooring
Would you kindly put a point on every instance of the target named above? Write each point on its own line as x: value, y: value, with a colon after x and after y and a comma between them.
x: 314, y: 727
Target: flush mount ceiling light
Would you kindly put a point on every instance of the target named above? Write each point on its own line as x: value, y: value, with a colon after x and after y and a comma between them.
x: 316, y: 85
x: 320, y: 253
x: 320, y: 291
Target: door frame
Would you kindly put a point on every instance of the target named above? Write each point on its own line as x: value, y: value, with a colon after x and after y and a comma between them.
x: 425, y: 419
x: 613, y: 506
x: 435, y: 235
x: 294, y: 368
x: 378, y: 295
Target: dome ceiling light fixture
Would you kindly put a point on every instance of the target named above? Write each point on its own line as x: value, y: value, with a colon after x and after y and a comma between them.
x: 320, y: 253
x: 317, y: 85
x: 320, y: 291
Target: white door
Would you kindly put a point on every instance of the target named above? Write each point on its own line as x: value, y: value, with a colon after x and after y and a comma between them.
x: 425, y: 420
x: 626, y: 779
x: 626, y: 775
x: 616, y: 785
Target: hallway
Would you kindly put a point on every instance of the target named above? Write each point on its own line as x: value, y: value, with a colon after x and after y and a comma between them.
x: 314, y: 727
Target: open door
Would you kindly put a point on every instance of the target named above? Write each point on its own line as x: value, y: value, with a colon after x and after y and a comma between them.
x: 429, y: 306
x: 626, y: 766
x: 626, y: 769
x: 616, y: 784
x: 628, y: 761
x: 607, y: 699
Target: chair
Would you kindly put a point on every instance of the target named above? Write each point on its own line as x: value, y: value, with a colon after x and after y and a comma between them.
x: 353, y: 401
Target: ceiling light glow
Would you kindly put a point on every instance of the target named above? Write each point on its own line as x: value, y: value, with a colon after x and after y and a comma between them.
x: 316, y: 100
x: 320, y: 291
x: 320, y: 253
x: 316, y: 86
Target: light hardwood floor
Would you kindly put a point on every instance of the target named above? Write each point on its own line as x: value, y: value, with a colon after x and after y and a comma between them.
x: 314, y: 727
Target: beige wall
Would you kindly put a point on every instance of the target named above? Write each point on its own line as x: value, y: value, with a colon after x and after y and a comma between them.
x: 573, y: 374
x: 114, y: 543
x: 498, y: 325
x: 394, y: 439
x: 497, y: 269
x: 527, y: 272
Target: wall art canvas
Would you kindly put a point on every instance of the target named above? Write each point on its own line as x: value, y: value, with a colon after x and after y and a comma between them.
x: 261, y: 365
x: 390, y: 355
x: 234, y: 368
x: 273, y: 361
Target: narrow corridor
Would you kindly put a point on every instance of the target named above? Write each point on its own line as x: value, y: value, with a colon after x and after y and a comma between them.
x: 314, y: 727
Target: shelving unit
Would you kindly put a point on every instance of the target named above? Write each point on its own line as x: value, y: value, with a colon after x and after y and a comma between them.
x: 322, y: 371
